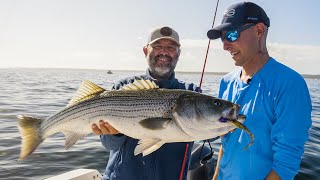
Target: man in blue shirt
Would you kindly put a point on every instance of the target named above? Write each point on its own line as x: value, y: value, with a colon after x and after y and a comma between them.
x: 171, y: 161
x: 274, y: 98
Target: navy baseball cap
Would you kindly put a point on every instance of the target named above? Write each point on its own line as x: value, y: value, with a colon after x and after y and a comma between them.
x: 237, y: 15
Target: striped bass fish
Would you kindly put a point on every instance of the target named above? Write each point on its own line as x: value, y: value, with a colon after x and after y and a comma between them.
x: 139, y: 110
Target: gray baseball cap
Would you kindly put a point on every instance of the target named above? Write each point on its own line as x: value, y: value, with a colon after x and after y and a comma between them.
x: 164, y: 32
x: 237, y: 15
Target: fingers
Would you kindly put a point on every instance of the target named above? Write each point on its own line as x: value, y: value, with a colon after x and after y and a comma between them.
x: 111, y: 129
x: 105, y: 128
x: 96, y: 129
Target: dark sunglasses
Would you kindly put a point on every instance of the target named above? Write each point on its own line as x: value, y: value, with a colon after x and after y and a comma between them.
x: 233, y: 35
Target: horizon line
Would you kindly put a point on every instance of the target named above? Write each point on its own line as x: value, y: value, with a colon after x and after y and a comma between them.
x: 317, y: 76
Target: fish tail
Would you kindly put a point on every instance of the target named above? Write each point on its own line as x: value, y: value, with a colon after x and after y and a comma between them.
x: 29, y: 128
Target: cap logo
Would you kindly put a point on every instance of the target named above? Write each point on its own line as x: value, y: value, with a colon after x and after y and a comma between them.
x: 230, y: 12
x: 252, y: 18
x: 166, y: 31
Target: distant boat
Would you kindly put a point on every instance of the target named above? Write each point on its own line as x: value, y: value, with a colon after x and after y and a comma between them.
x: 109, y: 72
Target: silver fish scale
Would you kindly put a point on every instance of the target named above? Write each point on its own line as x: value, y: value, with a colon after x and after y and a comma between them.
x: 136, y: 105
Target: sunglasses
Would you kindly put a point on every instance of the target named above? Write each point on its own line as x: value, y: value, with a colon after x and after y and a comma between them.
x: 233, y: 35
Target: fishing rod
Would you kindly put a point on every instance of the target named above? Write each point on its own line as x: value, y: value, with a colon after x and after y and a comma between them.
x: 206, y: 158
x: 208, y: 47
x: 203, y: 161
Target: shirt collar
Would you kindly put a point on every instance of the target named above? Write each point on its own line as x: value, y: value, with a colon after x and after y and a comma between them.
x: 166, y: 83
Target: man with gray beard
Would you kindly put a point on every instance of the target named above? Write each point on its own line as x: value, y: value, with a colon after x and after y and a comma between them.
x: 171, y: 161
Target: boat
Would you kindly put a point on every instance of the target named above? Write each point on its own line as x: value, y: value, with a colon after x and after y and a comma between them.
x: 110, y: 72
x: 78, y: 174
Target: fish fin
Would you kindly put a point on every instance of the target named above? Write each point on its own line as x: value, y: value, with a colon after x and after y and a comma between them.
x: 29, y: 128
x: 147, y: 146
x: 86, y: 91
x: 152, y: 148
x: 71, y: 138
x: 140, y: 84
x: 156, y: 123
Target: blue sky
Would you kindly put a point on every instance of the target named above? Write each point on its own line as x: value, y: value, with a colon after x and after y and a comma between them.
x: 110, y: 34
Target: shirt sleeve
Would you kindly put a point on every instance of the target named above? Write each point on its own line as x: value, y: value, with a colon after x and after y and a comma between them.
x: 112, y: 142
x: 193, y: 87
x: 290, y: 130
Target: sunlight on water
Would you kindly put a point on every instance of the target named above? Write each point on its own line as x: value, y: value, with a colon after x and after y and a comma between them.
x: 43, y: 92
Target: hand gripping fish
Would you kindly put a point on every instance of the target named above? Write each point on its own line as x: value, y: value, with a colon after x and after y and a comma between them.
x: 140, y: 110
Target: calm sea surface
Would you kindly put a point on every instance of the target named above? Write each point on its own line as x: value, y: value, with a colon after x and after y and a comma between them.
x: 43, y: 92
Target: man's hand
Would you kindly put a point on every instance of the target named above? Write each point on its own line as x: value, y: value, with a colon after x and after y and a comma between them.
x: 105, y: 128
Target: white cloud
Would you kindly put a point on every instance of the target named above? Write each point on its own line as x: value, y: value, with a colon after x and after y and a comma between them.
x: 91, y: 54
x: 302, y: 58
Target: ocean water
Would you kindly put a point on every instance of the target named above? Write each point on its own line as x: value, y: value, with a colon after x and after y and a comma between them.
x: 43, y: 92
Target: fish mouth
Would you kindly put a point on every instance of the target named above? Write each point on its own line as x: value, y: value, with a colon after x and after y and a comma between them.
x: 238, y: 124
x: 240, y: 119
x: 232, y: 112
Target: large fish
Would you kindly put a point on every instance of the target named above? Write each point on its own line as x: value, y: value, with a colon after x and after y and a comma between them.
x: 140, y: 110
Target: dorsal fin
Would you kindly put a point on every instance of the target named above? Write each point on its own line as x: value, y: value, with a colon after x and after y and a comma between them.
x: 86, y: 91
x: 140, y: 84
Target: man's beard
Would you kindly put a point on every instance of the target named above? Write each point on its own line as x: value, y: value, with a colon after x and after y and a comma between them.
x: 162, y: 70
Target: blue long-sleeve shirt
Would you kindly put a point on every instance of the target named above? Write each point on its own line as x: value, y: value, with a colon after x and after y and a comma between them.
x: 277, y: 105
x: 165, y: 163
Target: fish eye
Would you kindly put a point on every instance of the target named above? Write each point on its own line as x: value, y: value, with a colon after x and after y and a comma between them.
x: 217, y: 103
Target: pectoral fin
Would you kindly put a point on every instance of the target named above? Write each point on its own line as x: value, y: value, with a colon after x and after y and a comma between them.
x: 156, y: 123
x: 147, y: 146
